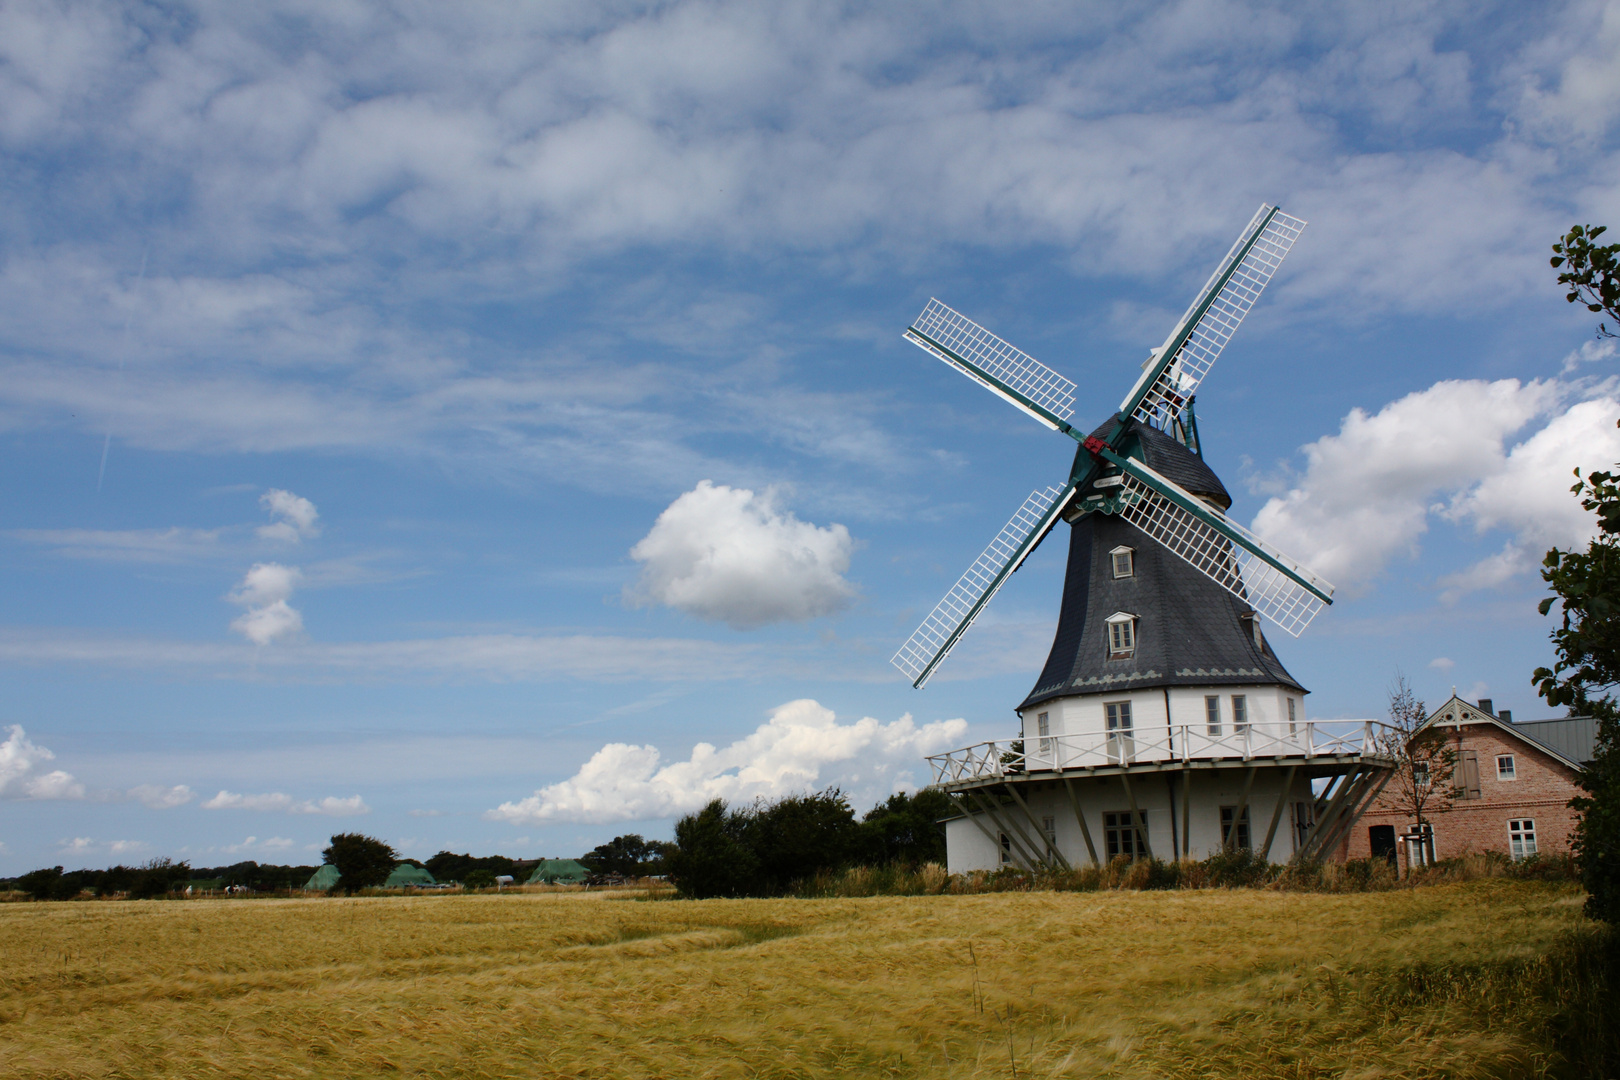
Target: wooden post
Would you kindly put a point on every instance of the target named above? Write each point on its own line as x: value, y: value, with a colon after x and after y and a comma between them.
x: 1074, y: 804
x: 1014, y: 833
x: 1330, y: 815
x: 1186, y: 807
x: 1276, y: 815
x: 1237, y: 812
x: 995, y: 841
x: 1138, y: 825
x: 1051, y: 843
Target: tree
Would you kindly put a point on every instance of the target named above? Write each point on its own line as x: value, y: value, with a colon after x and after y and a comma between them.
x: 1425, y: 764
x: 628, y: 856
x: 906, y: 828
x: 362, y: 862
x: 800, y: 836
x: 710, y: 856
x: 1586, y: 585
x: 1593, y: 276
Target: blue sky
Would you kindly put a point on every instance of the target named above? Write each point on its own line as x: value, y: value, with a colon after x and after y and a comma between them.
x: 489, y: 428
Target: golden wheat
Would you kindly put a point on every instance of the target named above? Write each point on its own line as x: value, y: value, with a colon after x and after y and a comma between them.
x: 1193, y: 983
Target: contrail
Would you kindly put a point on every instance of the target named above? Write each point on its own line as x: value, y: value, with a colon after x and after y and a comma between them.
x: 123, y: 354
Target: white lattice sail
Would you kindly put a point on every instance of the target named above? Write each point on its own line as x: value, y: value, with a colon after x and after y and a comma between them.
x: 1225, y: 552
x: 1004, y: 369
x: 1234, y: 296
x: 944, y: 626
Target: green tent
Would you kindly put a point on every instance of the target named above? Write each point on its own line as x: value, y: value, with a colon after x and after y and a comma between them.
x: 323, y: 879
x: 559, y: 872
x: 405, y: 874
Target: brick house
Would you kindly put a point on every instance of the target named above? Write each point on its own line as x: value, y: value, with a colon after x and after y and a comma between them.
x: 1513, y: 780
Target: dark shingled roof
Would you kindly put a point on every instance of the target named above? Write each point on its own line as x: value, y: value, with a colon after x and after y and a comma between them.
x: 1191, y: 632
x: 1167, y: 457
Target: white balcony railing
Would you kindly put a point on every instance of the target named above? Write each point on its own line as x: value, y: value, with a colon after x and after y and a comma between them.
x: 1178, y: 742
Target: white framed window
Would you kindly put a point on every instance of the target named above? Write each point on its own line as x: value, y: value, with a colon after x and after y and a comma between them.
x: 1043, y: 728
x: 1121, y: 629
x: 1242, y: 842
x: 1118, y: 836
x: 1124, y: 561
x: 1505, y: 767
x: 1049, y: 827
x: 1212, y: 714
x: 1240, y: 714
x: 1522, y: 837
x: 1293, y: 726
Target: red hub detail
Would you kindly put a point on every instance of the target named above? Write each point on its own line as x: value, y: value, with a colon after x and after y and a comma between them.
x: 1095, y: 445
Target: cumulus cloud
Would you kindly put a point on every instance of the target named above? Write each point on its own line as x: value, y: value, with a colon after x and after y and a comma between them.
x: 801, y: 747
x: 253, y: 843
x: 1442, y: 663
x: 264, y: 591
x: 729, y: 555
x: 277, y: 802
x: 86, y: 845
x: 1368, y: 493
x: 297, y: 516
x: 21, y: 775
x: 158, y: 797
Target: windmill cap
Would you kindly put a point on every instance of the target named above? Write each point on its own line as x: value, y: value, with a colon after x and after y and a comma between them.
x: 1165, y: 455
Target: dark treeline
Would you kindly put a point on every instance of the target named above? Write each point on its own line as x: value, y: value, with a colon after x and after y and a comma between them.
x: 156, y: 878
x: 629, y: 856
x: 764, y: 849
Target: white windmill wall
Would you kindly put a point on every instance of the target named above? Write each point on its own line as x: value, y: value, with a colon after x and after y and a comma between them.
x: 1164, y: 725
x: 968, y: 849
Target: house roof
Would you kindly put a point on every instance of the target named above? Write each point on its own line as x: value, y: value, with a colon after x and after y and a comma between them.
x: 1190, y: 631
x: 1575, y: 737
x: 1565, y: 743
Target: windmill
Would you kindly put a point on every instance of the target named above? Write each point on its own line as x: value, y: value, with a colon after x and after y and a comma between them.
x: 1106, y: 477
x: 1186, y: 585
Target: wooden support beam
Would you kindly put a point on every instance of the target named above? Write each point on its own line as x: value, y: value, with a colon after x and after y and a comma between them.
x: 1014, y: 848
x: 1138, y: 825
x: 967, y: 812
x: 1009, y: 825
x: 1276, y: 815
x: 1359, y: 802
x: 1238, y: 811
x: 1051, y: 843
x: 1175, y: 838
x: 1085, y: 831
x: 1186, y: 812
x: 1330, y: 815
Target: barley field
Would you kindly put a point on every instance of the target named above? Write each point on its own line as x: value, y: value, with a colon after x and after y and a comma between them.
x: 1476, y: 979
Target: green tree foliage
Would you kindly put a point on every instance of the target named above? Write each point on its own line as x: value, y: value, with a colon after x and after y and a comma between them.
x: 157, y: 878
x: 712, y: 857
x: 906, y: 828
x: 763, y: 849
x: 362, y: 862
x: 477, y: 878
x: 1425, y: 763
x: 1586, y: 585
x: 260, y: 877
x: 448, y: 866
x: 1593, y: 276
x: 628, y: 856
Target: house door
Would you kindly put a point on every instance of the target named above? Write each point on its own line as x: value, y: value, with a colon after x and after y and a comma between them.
x: 1381, y: 838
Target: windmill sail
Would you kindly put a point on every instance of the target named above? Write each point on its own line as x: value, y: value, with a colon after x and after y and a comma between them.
x: 1004, y: 369
x: 1161, y: 394
x: 939, y: 633
x: 1228, y: 554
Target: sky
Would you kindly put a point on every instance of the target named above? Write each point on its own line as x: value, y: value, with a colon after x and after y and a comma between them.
x: 488, y: 428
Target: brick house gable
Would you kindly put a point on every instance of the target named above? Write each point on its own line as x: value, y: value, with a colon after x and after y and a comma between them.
x: 1541, y: 785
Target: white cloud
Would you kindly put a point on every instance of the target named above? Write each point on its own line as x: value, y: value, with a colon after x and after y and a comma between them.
x: 1442, y: 663
x: 801, y: 747
x: 171, y: 545
x: 158, y: 797
x: 727, y: 554
x: 1368, y: 492
x: 297, y: 516
x: 279, y: 802
x: 264, y: 591
x: 21, y: 776
x: 85, y: 845
x: 253, y: 843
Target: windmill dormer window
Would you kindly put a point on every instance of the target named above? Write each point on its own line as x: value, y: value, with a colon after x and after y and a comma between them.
x: 1124, y: 562
x: 1121, y: 636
